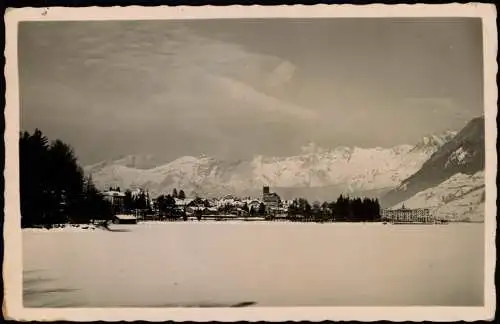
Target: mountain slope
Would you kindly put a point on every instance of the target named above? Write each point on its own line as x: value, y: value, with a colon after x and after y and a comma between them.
x: 463, y: 154
x: 459, y: 198
x: 338, y: 170
x: 131, y: 161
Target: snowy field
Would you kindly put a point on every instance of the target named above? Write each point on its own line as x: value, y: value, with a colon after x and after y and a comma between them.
x: 258, y: 263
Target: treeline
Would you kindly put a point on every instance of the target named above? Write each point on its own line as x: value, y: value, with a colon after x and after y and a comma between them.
x: 165, y: 204
x: 53, y: 188
x: 132, y: 203
x: 140, y: 201
x: 344, y: 209
x: 179, y: 195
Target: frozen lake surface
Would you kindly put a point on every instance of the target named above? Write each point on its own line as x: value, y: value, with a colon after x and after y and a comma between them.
x: 261, y: 264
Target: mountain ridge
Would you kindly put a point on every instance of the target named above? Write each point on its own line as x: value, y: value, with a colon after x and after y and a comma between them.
x: 465, y: 153
x: 341, y: 169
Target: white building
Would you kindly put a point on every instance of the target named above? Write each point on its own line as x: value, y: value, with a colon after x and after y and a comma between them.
x: 116, y: 198
x: 230, y: 201
x: 182, y: 204
x: 253, y: 203
x: 405, y: 215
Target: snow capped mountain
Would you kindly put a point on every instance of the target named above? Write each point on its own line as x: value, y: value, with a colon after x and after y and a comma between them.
x: 460, y: 198
x: 131, y: 161
x: 432, y: 143
x: 347, y: 169
x: 462, y: 154
x: 357, y: 168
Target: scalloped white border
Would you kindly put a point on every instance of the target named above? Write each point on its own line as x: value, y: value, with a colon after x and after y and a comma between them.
x: 12, y: 275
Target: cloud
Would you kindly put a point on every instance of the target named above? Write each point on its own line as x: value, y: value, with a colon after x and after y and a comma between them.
x: 186, y: 72
x: 253, y: 99
x: 281, y: 74
x: 132, y: 83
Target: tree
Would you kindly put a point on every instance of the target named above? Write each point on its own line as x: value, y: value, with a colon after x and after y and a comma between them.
x: 182, y: 195
x: 262, y: 209
x: 160, y: 205
x: 94, y: 206
x: 170, y: 201
x: 174, y: 193
x: 128, y: 201
x: 34, y: 191
x: 169, y: 205
x: 293, y: 209
x: 198, y: 201
x: 316, y: 207
x: 66, y: 177
x: 341, y: 208
x: 53, y: 188
x: 355, y: 209
x: 304, y: 207
x: 141, y: 201
x: 331, y: 207
x: 245, y: 208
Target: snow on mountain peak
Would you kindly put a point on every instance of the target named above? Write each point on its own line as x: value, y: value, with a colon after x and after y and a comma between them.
x: 463, y: 153
x: 434, y: 141
x: 350, y: 168
x: 457, y: 157
x: 312, y: 148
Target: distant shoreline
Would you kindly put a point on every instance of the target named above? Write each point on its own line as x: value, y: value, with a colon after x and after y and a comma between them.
x: 127, y: 227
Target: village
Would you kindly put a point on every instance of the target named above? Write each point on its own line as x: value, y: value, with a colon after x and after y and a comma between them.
x: 179, y: 207
x: 130, y: 207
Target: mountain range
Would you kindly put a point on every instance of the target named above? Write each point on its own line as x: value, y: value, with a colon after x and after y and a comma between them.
x: 443, y: 172
x: 316, y: 173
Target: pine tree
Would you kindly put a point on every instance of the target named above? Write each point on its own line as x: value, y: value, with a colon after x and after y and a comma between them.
x: 169, y: 205
x: 262, y: 209
x: 53, y: 188
x: 161, y: 206
x: 128, y: 202
x: 182, y: 195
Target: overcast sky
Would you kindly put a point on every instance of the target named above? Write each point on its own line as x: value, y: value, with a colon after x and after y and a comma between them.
x: 235, y: 88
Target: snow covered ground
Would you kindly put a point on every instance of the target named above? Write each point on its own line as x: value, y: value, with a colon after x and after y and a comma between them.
x: 268, y: 264
x: 64, y: 228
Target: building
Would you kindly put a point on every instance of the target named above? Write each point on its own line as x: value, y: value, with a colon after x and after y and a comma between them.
x: 405, y: 215
x: 229, y: 197
x: 125, y: 219
x: 253, y: 204
x: 230, y: 201
x: 116, y: 198
x: 271, y: 199
x: 183, y: 204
